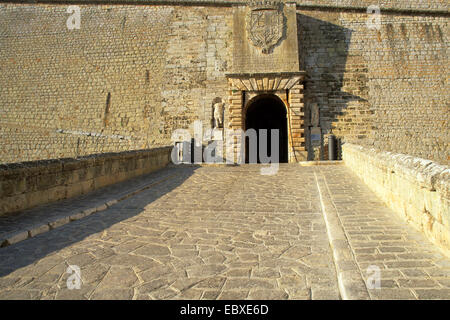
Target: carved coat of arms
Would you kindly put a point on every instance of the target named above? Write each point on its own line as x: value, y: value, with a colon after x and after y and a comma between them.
x: 265, y: 26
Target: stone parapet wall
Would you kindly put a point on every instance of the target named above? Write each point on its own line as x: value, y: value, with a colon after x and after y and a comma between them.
x: 417, y: 189
x: 25, y: 185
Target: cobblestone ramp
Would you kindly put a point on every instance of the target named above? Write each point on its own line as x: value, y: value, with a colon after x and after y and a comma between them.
x: 411, y: 267
x: 228, y: 233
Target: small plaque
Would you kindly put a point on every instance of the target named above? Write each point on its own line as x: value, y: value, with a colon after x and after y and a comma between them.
x: 316, y: 136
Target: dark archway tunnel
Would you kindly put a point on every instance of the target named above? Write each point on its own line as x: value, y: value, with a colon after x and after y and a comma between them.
x: 267, y: 112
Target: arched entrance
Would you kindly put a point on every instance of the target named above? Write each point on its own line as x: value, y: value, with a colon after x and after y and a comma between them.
x: 267, y: 111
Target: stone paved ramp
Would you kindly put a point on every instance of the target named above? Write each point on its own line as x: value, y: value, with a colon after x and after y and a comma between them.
x: 228, y: 233
x: 411, y: 267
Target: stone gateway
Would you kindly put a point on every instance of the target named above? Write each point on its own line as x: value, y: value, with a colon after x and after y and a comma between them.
x: 176, y: 149
x: 130, y: 75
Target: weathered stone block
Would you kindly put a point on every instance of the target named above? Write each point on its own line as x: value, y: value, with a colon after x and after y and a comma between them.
x: 408, y: 186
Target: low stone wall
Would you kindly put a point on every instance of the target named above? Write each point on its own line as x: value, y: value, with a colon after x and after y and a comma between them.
x: 418, y: 189
x: 25, y: 185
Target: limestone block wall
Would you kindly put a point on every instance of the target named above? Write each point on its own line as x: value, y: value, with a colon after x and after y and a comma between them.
x: 417, y: 189
x: 386, y: 88
x: 134, y: 73
x: 123, y: 81
x: 25, y: 185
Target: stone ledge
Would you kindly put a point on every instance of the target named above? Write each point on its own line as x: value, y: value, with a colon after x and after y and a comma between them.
x: 350, y: 281
x: 396, y: 7
x: 24, y: 233
x: 417, y: 189
x: 27, y: 184
x: 70, y: 163
x: 320, y: 163
x: 426, y: 173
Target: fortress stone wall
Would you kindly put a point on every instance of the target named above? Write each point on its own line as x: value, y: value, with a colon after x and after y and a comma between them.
x: 385, y: 88
x: 133, y: 73
x: 128, y: 76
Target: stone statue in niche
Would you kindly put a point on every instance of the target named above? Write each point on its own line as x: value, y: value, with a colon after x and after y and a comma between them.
x: 315, y: 115
x: 218, y: 109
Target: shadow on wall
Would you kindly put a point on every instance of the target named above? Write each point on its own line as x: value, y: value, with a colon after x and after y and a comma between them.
x: 30, y: 251
x: 323, y: 52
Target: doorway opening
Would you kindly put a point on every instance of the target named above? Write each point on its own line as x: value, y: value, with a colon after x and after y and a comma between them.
x: 268, y: 112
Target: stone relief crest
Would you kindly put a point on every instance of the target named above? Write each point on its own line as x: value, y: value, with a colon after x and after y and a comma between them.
x: 265, y: 24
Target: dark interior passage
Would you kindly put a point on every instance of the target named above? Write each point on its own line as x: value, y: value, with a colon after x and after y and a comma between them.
x: 267, y: 112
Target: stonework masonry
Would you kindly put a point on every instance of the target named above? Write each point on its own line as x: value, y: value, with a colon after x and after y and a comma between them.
x: 160, y: 66
x: 133, y: 73
x: 385, y: 88
x: 26, y: 185
x: 417, y: 189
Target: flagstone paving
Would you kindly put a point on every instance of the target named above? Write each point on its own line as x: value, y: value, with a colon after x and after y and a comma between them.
x: 228, y: 233
x: 410, y: 266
